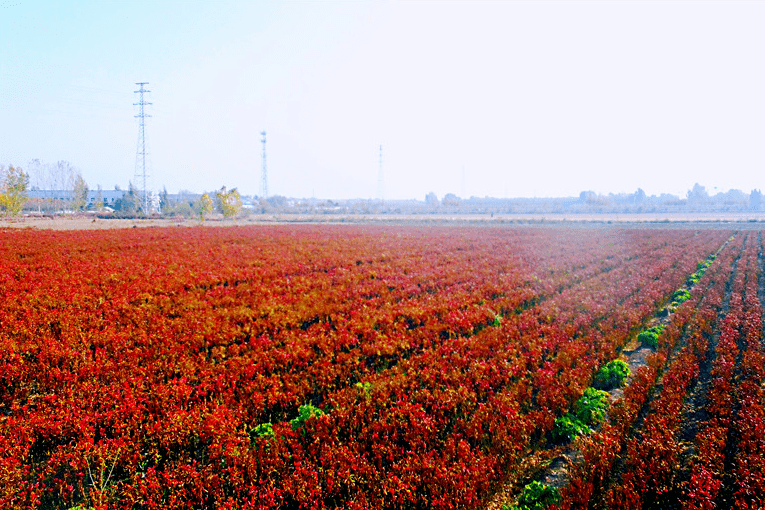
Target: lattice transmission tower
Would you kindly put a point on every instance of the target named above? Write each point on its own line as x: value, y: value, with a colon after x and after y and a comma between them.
x: 141, y: 173
x: 264, y: 169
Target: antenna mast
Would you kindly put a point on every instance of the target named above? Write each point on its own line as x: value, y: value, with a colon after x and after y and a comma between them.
x: 380, y: 194
x: 140, y: 157
x: 264, y: 169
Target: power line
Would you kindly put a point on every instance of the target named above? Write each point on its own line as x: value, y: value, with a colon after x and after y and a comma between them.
x: 140, y: 157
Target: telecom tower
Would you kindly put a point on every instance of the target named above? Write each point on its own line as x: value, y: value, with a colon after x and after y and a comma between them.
x: 380, y: 194
x: 264, y: 169
x: 140, y: 157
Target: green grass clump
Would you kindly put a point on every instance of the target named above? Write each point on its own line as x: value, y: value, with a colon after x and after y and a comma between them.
x: 591, y: 407
x: 589, y: 410
x: 536, y: 496
x: 701, y: 268
x: 304, y: 413
x: 567, y: 428
x: 262, y: 430
x: 612, y: 375
x: 650, y: 337
x: 680, y: 296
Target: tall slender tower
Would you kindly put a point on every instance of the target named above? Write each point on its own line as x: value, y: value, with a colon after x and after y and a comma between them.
x: 141, y: 173
x: 264, y: 169
x: 380, y: 182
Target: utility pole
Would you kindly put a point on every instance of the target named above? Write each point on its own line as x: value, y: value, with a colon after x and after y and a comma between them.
x: 140, y: 157
x: 264, y: 169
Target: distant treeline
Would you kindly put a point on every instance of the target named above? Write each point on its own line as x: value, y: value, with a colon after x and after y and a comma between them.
x: 60, y: 188
x: 588, y: 202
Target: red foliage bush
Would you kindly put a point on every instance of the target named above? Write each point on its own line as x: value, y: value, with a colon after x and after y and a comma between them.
x: 136, y: 366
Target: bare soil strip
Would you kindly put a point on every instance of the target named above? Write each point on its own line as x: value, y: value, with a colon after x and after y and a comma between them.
x: 674, y: 220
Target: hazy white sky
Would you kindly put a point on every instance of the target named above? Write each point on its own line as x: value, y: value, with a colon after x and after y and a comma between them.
x: 534, y: 98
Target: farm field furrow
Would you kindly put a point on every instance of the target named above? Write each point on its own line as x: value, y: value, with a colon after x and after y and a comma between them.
x: 720, y: 470
x: 359, y: 366
x: 604, y: 451
x: 694, y: 440
x: 649, y: 464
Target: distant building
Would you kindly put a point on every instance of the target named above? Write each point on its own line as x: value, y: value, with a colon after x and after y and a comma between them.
x: 109, y: 196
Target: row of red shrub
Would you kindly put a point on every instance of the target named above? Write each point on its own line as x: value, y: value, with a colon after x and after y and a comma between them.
x: 140, y: 369
x: 726, y: 466
x: 728, y: 446
x: 645, y: 474
x: 749, y: 464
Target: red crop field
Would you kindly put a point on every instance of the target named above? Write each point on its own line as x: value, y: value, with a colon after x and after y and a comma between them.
x: 371, y: 367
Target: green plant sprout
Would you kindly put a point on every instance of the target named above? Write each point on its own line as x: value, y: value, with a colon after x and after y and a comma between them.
x: 612, y: 375
x: 649, y: 337
x: 681, y: 296
x: 262, y: 430
x: 567, y: 428
x: 591, y: 407
x: 536, y: 496
x: 305, y: 412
